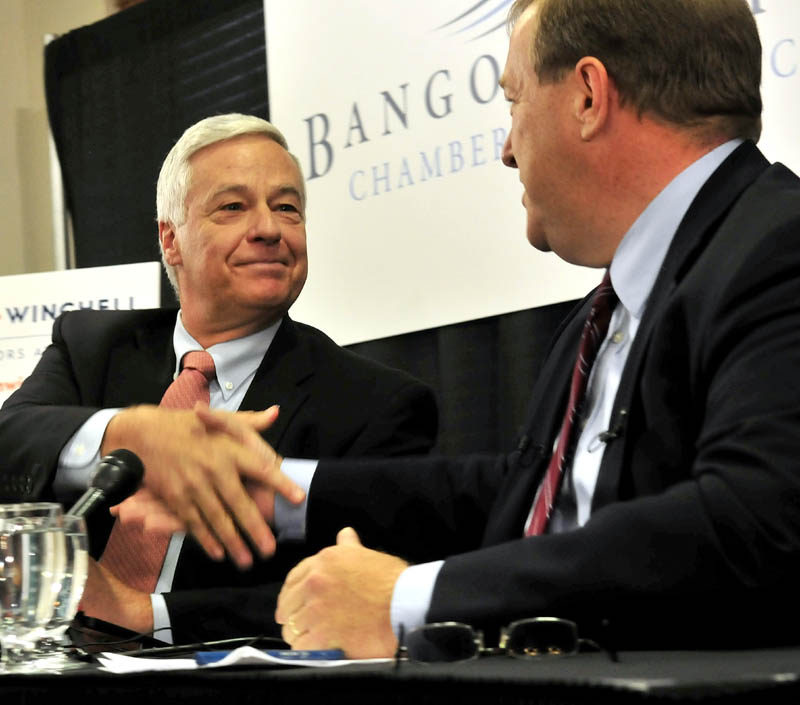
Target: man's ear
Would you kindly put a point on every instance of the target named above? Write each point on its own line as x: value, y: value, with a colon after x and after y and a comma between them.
x: 593, y: 93
x: 169, y: 243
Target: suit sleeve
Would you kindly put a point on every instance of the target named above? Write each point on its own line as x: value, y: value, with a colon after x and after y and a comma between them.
x: 701, y: 546
x: 38, y: 419
x: 400, y: 420
x: 405, y: 425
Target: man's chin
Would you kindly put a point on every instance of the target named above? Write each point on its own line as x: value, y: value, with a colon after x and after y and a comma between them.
x: 539, y: 241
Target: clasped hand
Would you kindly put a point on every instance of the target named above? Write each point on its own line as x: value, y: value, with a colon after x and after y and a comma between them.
x: 208, y: 472
x: 341, y: 598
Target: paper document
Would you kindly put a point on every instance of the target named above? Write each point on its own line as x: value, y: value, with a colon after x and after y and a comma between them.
x: 243, y: 656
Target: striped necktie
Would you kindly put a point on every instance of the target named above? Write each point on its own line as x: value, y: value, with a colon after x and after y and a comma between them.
x: 594, y: 332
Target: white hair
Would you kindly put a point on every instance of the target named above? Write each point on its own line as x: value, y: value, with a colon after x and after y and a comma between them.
x: 174, y: 179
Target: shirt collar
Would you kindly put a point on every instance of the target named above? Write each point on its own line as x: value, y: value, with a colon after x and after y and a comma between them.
x: 642, y: 251
x: 235, y: 360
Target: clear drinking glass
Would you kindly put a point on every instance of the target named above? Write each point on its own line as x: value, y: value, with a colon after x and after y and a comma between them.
x: 45, y: 511
x: 49, y: 652
x: 32, y: 556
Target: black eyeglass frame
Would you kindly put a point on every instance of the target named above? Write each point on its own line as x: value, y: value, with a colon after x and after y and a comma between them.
x: 508, y: 633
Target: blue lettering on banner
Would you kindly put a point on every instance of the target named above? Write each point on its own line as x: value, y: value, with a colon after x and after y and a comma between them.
x: 438, y: 94
x: 15, y: 314
x: 438, y: 98
x: 438, y: 162
x: 12, y: 354
x: 35, y: 313
x: 315, y: 140
x: 784, y: 58
x: 389, y: 102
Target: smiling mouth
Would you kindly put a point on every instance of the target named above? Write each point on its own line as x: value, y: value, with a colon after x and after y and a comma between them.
x: 263, y: 263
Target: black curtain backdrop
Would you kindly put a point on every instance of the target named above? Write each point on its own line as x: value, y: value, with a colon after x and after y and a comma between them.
x: 119, y: 94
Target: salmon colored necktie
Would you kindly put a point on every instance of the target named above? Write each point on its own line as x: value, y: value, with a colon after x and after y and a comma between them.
x: 134, y: 556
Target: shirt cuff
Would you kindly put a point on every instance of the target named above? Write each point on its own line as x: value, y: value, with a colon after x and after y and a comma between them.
x: 290, y: 519
x: 162, y: 628
x: 412, y: 595
x: 81, y: 453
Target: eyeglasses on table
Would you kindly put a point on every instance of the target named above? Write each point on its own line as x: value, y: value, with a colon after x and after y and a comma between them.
x: 532, y: 638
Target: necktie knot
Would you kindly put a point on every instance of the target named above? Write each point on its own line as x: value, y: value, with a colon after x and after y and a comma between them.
x: 191, y: 385
x: 201, y: 361
x: 603, y: 302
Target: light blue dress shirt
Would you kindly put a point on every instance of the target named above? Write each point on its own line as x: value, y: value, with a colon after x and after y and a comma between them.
x: 236, y: 363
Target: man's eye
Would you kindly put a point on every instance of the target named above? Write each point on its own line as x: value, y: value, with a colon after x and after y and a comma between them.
x: 288, y: 207
x: 231, y: 207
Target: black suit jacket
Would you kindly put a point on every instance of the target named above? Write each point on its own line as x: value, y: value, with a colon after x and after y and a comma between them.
x: 333, y: 403
x: 694, y: 536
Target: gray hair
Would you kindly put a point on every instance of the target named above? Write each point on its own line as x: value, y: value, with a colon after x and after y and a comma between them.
x: 174, y: 179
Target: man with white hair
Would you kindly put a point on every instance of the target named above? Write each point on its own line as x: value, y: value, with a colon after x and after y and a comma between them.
x: 231, y: 221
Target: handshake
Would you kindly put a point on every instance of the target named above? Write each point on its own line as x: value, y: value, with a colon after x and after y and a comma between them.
x: 213, y: 475
x: 207, y: 472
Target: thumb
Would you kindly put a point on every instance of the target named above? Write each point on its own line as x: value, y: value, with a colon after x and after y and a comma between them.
x: 347, y: 537
x: 262, y: 420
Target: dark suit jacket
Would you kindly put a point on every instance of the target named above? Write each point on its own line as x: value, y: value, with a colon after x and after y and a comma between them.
x: 333, y: 403
x: 694, y: 536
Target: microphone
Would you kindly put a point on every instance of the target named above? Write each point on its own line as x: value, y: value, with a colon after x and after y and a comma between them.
x: 611, y: 434
x: 117, y: 476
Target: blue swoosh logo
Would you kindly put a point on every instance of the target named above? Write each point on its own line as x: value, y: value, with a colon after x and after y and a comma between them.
x: 482, y: 18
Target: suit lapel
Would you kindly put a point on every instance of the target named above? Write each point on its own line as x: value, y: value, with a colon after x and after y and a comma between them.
x: 281, y: 379
x: 697, y: 228
x: 545, y: 413
x: 142, y: 364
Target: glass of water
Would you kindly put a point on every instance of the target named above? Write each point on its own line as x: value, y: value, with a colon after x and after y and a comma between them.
x: 66, y: 594
x: 42, y: 511
x: 32, y: 557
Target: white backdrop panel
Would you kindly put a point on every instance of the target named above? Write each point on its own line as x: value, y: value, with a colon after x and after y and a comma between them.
x: 29, y: 303
x: 393, y: 109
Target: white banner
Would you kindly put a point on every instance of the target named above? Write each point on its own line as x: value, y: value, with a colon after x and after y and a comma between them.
x: 29, y: 303
x: 779, y: 26
x: 394, y: 111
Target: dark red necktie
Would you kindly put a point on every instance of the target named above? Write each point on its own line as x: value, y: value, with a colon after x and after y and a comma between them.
x: 594, y: 332
x: 134, y: 556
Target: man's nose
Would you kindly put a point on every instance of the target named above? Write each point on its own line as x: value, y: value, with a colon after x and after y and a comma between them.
x: 508, y: 153
x: 265, y: 226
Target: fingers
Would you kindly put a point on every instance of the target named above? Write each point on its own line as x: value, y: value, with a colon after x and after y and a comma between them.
x: 196, y: 465
x: 243, y: 426
x: 216, y: 507
x: 347, y: 537
x: 290, y: 598
x: 234, y: 423
x: 213, y: 528
x: 263, y: 497
x: 144, y: 509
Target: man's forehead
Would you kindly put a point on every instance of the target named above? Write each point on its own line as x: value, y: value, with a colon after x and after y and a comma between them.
x: 251, y: 143
x: 250, y: 155
x: 519, y: 50
x: 525, y: 26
